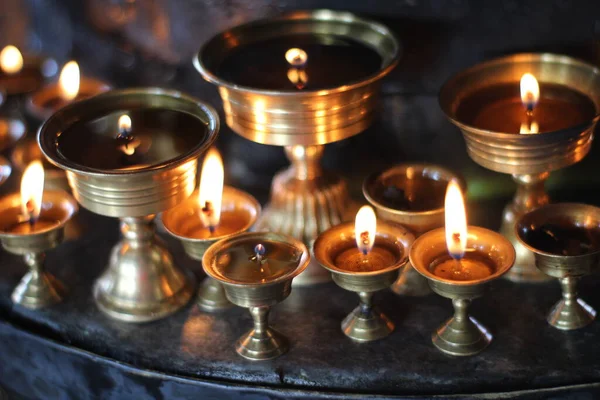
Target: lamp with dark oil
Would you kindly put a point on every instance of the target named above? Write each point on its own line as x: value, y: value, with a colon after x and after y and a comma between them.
x: 418, y: 193
x: 563, y: 239
x: 499, y: 108
x: 332, y: 61
x: 251, y: 262
x: 156, y: 136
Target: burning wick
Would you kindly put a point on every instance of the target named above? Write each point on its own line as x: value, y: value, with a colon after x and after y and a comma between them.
x: 366, y: 241
x: 208, y: 211
x: 259, y: 254
x: 297, y: 74
x: 124, y: 135
x: 530, y: 93
x: 30, y: 206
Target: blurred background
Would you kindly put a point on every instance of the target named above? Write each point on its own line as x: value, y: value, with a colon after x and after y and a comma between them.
x: 152, y: 42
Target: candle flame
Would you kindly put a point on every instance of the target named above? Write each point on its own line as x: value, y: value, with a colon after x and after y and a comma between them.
x: 456, y: 221
x: 68, y: 81
x: 11, y: 60
x: 211, y: 189
x: 530, y: 91
x: 32, y: 189
x: 365, y: 227
x: 124, y: 124
x: 296, y: 57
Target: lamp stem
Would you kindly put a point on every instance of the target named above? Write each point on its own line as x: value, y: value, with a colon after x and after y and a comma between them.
x: 260, y: 315
x: 461, y: 309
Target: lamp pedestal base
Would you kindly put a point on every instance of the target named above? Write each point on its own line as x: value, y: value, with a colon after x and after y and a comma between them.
x: 529, y: 196
x: 141, y: 282
x: 571, y: 312
x: 262, y: 342
x: 366, y: 323
x: 461, y: 335
x: 211, y: 296
x: 37, y: 289
x: 304, y: 202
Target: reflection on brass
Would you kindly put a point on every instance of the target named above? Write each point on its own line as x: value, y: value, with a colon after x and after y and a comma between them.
x: 365, y: 323
x: 570, y: 312
x: 409, y: 282
x: 211, y: 295
x: 461, y: 335
x: 262, y: 342
x: 304, y: 200
x: 141, y: 282
x: 37, y: 288
x: 527, y: 157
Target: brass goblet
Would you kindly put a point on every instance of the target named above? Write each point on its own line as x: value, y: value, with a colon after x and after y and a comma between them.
x: 239, y: 212
x: 257, y: 278
x: 461, y: 335
x: 529, y: 158
x: 37, y: 288
x: 570, y: 312
x: 365, y: 323
x: 305, y: 200
x: 421, y: 184
x: 141, y: 282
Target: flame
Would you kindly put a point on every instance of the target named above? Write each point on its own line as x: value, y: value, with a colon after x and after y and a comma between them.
x: 68, y: 81
x: 296, y: 57
x: 11, y: 60
x: 365, y: 227
x: 124, y: 124
x: 528, y: 128
x: 456, y: 221
x: 32, y: 189
x: 530, y: 91
x: 211, y: 189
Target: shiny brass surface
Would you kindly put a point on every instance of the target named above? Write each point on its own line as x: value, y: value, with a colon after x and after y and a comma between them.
x: 211, y: 295
x: 461, y: 335
x: 570, y: 312
x: 28, y: 150
x: 39, y: 103
x: 529, y: 196
x: 286, y: 118
x: 262, y: 342
x: 410, y: 282
x: 304, y: 199
x: 141, y: 282
x: 366, y: 322
x: 38, y: 288
x: 524, y: 156
x: 5, y: 170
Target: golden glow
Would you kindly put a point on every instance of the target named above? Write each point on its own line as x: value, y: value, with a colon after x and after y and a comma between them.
x: 68, y: 81
x: 124, y: 124
x: 456, y: 221
x: 526, y: 128
x: 530, y: 91
x: 365, y: 227
x: 296, y: 57
x: 11, y: 60
x: 211, y: 189
x: 32, y: 189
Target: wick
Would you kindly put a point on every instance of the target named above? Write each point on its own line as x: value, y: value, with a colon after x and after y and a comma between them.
x: 364, y: 239
x: 30, y: 209
x: 208, y: 211
x: 259, y: 254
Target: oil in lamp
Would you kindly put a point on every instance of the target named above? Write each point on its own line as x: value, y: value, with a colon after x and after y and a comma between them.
x: 364, y: 257
x: 565, y: 239
x: 133, y: 168
x: 71, y: 86
x: 22, y: 74
x: 256, y: 270
x: 211, y: 213
x: 300, y: 81
x: 459, y: 261
x: 525, y: 115
x: 411, y: 195
x: 32, y: 222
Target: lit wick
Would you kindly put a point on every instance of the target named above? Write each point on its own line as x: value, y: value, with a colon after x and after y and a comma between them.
x: 364, y: 239
x: 208, y: 212
x: 32, y: 192
x: 530, y: 93
x: 124, y: 135
x: 259, y: 254
x: 297, y: 58
x: 30, y: 206
x: 365, y: 223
